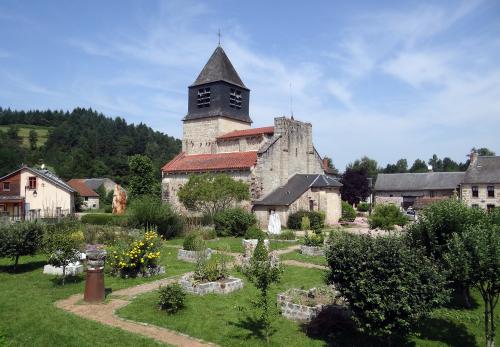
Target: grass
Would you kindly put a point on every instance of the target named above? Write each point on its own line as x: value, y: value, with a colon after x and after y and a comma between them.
x: 296, y: 255
x: 235, y: 243
x: 28, y: 316
x: 24, y: 130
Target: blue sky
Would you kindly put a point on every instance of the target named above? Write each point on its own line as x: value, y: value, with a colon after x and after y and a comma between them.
x: 387, y: 79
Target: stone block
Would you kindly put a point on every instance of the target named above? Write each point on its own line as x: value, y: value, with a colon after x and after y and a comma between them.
x: 72, y: 269
x: 312, y: 250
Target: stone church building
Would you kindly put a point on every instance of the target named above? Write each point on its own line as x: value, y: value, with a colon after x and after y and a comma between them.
x: 279, y: 162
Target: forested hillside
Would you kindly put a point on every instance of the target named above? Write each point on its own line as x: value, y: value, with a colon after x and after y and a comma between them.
x: 81, y: 143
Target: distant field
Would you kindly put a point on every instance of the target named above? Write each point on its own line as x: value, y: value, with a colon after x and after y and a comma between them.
x: 24, y: 131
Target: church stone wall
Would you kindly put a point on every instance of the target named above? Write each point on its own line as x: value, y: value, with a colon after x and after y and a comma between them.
x: 199, y: 135
x: 291, y: 153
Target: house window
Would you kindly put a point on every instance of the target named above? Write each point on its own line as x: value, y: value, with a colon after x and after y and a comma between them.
x: 86, y: 198
x: 491, y: 191
x: 475, y: 206
x: 203, y: 97
x: 311, y: 205
x: 235, y: 98
x: 475, y: 191
x: 431, y: 194
x: 32, y: 182
x: 6, y: 186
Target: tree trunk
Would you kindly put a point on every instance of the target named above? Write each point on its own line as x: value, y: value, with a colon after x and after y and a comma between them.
x: 487, y: 323
x: 16, y: 262
x: 466, y: 294
x: 64, y: 274
x: 491, y: 341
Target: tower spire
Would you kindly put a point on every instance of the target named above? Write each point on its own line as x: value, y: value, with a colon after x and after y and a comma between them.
x: 218, y: 34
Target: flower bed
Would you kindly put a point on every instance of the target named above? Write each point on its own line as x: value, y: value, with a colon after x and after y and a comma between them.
x: 222, y: 286
x: 305, y: 305
x: 312, y: 250
x: 191, y: 256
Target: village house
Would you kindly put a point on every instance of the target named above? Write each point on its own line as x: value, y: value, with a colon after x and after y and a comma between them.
x: 478, y: 186
x: 29, y: 193
x: 89, y: 196
x: 279, y: 162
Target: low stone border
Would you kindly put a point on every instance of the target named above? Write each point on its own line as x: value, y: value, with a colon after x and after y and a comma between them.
x: 190, y: 256
x: 312, y: 250
x: 226, y: 286
x: 303, y: 312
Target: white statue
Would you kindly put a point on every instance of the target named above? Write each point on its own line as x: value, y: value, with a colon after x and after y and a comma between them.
x: 274, y: 226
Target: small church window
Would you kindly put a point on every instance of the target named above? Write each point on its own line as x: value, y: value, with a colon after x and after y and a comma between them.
x: 203, y: 97
x: 235, y: 98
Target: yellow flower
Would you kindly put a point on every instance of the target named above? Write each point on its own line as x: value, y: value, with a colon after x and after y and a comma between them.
x: 142, y: 260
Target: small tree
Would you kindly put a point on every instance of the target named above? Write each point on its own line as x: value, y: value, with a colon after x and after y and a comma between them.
x: 355, y: 185
x: 62, y: 243
x: 20, y: 239
x: 142, y: 178
x: 474, y: 255
x: 209, y: 194
x: 386, y: 216
x: 390, y: 287
x: 33, y: 139
x: 263, y: 270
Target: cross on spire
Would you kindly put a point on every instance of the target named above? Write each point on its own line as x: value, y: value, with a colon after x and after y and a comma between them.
x: 218, y: 34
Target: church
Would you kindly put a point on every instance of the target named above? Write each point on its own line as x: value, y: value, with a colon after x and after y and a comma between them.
x: 284, y: 171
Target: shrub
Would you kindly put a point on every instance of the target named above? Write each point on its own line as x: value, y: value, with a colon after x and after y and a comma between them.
x: 172, y: 298
x: 20, y: 239
x: 206, y: 233
x: 305, y: 223
x: 106, y: 234
x: 316, y: 220
x: 147, y: 211
x: 104, y: 219
x: 348, y: 212
x: 136, y: 257
x: 314, y: 240
x: 286, y: 235
x: 193, y: 242
x: 62, y: 243
x: 390, y: 287
x: 213, y: 269
x: 363, y: 207
x: 254, y: 232
x: 233, y: 221
x: 386, y: 216
x: 108, y: 209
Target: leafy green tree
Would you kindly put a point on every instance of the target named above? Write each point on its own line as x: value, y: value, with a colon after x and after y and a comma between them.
x: 33, y: 139
x: 210, y: 194
x: 450, y: 166
x: 367, y: 164
x: 483, y: 151
x: 142, y: 178
x: 13, y: 134
x: 20, y: 239
x: 62, y: 243
x: 386, y: 216
x: 390, y: 287
x: 436, y: 163
x: 263, y: 270
x: 401, y: 166
x: 355, y: 185
x: 474, y: 256
x: 418, y: 166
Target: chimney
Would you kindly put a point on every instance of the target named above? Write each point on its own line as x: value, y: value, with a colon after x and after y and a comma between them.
x: 325, y: 163
x: 473, y: 158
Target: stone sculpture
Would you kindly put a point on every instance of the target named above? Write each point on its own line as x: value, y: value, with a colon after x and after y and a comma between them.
x: 119, y: 200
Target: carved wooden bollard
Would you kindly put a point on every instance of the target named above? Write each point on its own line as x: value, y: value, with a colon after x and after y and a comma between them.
x: 94, y: 283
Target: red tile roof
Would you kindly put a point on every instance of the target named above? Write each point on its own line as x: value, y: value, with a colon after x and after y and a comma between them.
x: 82, y: 189
x: 211, y: 162
x: 247, y: 132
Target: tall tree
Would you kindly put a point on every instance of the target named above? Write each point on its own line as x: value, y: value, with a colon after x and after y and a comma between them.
x: 401, y: 166
x: 355, y: 185
x: 418, y: 166
x: 142, y: 178
x: 368, y: 164
x: 450, y: 166
x: 436, y: 163
x: 33, y: 139
x: 483, y: 151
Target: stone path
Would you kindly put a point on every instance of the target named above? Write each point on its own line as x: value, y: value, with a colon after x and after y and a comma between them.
x: 105, y: 313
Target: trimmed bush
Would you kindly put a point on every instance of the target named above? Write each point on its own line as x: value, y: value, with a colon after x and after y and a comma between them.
x: 316, y: 220
x: 305, y: 223
x: 348, y: 212
x: 20, y: 239
x: 104, y: 219
x: 314, y: 240
x: 386, y: 216
x: 172, y: 298
x: 363, y: 207
x: 146, y: 211
x: 233, y: 221
x: 254, y: 232
x: 193, y: 242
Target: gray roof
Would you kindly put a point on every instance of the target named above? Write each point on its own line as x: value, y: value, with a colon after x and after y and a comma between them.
x: 295, y: 187
x: 485, y: 170
x: 219, y: 68
x: 95, y: 183
x: 418, y: 181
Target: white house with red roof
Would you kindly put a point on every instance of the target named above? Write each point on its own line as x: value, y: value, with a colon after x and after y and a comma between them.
x: 218, y: 138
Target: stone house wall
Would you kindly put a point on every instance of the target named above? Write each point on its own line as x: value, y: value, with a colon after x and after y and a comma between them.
x: 242, y: 144
x: 482, y: 200
x: 90, y: 203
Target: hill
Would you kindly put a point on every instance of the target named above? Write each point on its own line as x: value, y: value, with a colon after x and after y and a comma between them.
x: 80, y: 143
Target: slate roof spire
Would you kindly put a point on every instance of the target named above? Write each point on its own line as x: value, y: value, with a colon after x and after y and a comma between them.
x: 219, y: 68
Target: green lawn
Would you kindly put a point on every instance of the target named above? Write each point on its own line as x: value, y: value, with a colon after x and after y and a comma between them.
x: 24, y: 131
x: 235, y: 243
x: 296, y: 255
x: 28, y: 316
